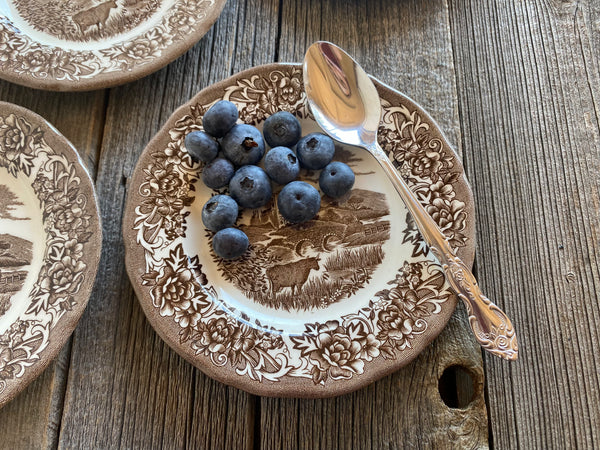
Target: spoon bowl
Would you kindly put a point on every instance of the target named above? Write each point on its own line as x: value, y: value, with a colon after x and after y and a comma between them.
x: 343, y: 99
x: 346, y: 105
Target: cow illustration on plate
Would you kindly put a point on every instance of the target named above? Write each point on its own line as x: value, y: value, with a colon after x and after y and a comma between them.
x: 15, y: 252
x: 314, y: 264
x: 86, y: 20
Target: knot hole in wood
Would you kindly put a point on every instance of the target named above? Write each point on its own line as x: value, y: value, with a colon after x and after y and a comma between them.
x: 457, y: 386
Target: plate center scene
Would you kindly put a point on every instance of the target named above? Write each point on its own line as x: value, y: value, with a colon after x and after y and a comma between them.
x: 22, y: 240
x: 325, y: 268
x: 315, y: 264
x: 86, y: 21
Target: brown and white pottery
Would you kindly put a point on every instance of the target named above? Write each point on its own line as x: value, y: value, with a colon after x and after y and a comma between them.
x: 90, y: 44
x: 312, y: 310
x: 50, y: 242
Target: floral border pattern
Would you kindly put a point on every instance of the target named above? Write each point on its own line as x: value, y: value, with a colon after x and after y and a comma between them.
x: 427, y: 168
x: 336, y: 349
x: 22, y: 55
x: 66, y: 215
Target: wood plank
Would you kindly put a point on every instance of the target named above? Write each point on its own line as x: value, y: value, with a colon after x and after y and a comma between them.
x: 528, y: 84
x: 407, y: 45
x: 126, y: 387
x: 32, y: 420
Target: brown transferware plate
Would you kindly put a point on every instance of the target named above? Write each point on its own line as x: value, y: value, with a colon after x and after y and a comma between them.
x: 312, y: 310
x: 50, y: 241
x: 90, y: 44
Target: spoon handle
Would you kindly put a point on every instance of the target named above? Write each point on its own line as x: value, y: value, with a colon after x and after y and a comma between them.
x: 492, y: 327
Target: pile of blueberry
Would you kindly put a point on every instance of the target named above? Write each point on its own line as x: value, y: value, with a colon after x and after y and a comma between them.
x: 232, y: 151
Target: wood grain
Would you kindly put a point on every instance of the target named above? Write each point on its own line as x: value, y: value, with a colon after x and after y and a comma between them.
x: 403, y: 410
x: 32, y: 420
x: 516, y: 84
x: 528, y: 86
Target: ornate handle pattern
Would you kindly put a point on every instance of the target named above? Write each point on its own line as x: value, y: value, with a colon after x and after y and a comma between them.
x: 492, y: 328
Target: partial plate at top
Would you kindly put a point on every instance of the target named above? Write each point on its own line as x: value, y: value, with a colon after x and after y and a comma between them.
x: 312, y: 310
x: 50, y: 241
x: 90, y: 44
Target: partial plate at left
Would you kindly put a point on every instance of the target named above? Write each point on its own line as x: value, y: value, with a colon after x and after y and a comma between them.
x: 50, y: 243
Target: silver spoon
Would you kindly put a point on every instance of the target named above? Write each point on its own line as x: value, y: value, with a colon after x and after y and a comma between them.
x: 346, y: 105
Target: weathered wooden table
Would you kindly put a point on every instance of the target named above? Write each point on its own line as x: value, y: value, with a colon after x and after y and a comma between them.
x: 515, y: 86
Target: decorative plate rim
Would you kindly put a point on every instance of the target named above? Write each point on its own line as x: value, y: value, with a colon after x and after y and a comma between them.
x: 61, y: 330
x: 300, y: 388
x: 80, y: 70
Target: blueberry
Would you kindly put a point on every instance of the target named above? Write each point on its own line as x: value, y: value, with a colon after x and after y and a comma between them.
x: 218, y: 173
x: 298, y: 202
x: 220, y: 211
x: 220, y: 118
x: 336, y: 179
x: 315, y: 151
x: 230, y: 243
x: 250, y: 187
x: 281, y: 165
x: 201, y: 146
x: 243, y: 145
x: 282, y: 129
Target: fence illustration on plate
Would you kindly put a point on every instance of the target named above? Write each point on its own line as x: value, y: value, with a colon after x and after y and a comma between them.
x: 15, y: 252
x: 12, y: 277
